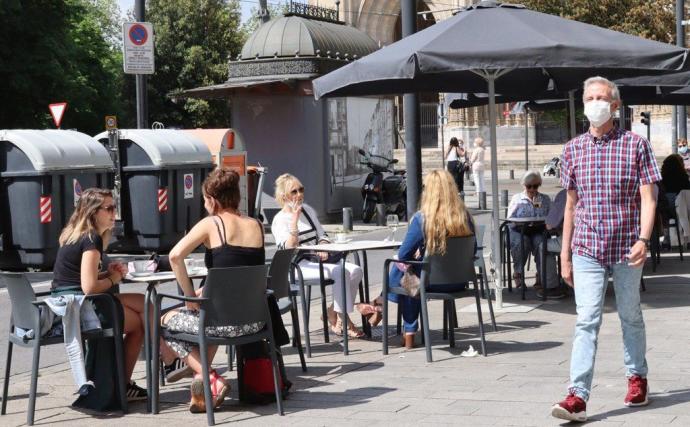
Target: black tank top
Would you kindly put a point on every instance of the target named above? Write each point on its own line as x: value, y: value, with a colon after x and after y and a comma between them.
x: 227, y: 255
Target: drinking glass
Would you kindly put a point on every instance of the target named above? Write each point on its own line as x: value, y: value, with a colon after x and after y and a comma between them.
x: 392, y: 223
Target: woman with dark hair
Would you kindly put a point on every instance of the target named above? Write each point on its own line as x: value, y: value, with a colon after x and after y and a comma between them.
x: 674, y: 179
x: 78, y: 269
x: 455, y: 162
x: 231, y: 240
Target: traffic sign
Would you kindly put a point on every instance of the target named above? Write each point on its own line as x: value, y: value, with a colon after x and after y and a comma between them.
x: 110, y: 122
x: 57, y: 110
x: 138, y: 47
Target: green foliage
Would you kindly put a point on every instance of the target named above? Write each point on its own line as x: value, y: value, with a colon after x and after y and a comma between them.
x: 274, y: 10
x: 52, y: 51
x: 651, y: 19
x: 194, y: 40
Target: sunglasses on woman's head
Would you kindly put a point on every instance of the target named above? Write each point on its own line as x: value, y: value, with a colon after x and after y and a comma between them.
x: 299, y: 190
x: 108, y: 208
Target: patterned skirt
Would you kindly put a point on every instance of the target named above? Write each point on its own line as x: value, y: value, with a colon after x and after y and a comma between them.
x: 187, y: 321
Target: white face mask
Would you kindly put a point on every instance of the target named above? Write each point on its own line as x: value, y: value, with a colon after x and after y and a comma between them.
x: 598, y: 112
x: 683, y: 149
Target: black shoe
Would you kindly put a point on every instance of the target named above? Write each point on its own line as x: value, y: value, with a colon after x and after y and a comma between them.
x: 177, y: 370
x: 134, y: 392
x: 553, y: 293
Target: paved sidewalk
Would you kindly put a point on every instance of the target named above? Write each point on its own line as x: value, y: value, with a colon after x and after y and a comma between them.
x: 525, y: 372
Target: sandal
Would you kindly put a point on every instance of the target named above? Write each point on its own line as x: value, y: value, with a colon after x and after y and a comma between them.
x: 219, y: 388
x: 352, y: 330
x: 367, y: 310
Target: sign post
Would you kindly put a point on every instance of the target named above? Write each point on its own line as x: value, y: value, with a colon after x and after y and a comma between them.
x: 57, y: 110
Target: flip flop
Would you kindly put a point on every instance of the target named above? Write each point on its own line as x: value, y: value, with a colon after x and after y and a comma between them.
x: 366, y: 309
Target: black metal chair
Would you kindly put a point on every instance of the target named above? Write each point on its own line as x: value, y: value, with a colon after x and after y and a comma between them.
x: 279, y: 283
x: 456, y: 266
x: 26, y: 315
x: 231, y: 296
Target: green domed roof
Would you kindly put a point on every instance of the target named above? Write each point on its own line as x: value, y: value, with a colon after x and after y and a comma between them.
x: 296, y: 36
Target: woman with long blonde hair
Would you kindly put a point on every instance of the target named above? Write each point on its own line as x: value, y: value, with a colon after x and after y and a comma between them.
x: 79, y: 269
x: 442, y: 214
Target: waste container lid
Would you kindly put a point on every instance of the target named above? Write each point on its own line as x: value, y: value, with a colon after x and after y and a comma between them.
x: 167, y: 147
x: 53, y: 149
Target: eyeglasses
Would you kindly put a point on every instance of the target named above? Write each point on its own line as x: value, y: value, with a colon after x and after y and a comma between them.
x: 532, y: 186
x: 108, y: 208
x: 299, y: 190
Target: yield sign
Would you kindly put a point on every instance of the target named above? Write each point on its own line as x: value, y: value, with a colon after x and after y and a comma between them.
x: 57, y: 110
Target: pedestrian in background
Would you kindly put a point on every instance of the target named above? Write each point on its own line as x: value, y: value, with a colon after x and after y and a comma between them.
x: 455, y: 162
x: 610, y: 175
x: 684, y: 153
x: 477, y: 162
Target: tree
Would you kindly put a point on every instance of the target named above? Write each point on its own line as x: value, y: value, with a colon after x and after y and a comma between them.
x: 274, y: 10
x: 193, y: 43
x: 57, y: 51
x: 651, y: 19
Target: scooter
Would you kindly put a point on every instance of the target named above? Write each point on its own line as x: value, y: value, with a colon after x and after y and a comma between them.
x: 390, y: 190
x: 551, y: 168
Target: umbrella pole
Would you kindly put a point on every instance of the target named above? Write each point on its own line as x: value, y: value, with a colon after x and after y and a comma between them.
x: 491, y: 80
x: 571, y: 111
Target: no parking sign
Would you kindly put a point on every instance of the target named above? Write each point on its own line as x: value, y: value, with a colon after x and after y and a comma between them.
x: 188, y: 186
x: 138, y: 47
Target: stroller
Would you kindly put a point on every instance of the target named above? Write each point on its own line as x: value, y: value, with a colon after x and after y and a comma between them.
x: 552, y: 168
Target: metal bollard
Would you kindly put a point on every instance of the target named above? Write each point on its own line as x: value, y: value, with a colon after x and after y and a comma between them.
x: 380, y: 214
x: 512, y: 174
x: 347, y: 219
x: 504, y: 198
x: 482, y: 200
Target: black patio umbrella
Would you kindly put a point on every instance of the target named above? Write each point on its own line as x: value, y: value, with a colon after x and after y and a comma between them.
x: 500, y: 48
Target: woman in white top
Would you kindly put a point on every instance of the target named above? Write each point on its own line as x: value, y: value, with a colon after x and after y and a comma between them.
x: 455, y: 162
x: 477, y: 162
x: 296, y: 223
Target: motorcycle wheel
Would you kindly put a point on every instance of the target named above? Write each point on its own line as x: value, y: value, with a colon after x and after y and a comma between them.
x: 368, y: 211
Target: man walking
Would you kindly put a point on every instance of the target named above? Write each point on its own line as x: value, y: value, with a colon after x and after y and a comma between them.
x: 609, y: 174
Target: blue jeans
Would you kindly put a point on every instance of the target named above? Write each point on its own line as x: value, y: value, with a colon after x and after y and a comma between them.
x: 411, y: 307
x: 591, y: 279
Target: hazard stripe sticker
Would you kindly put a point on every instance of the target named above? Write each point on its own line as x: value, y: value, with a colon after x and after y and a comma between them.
x: 162, y: 200
x: 45, y: 209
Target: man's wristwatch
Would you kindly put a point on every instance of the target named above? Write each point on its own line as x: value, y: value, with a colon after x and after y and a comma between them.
x: 645, y: 241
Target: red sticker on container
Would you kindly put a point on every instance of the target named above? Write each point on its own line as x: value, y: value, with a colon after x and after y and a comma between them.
x: 45, y: 208
x: 162, y: 200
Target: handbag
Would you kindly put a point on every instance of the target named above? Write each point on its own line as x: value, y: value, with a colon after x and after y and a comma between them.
x: 333, y: 257
x: 410, y: 282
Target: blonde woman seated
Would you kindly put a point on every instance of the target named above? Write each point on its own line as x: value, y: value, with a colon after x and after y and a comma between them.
x: 296, y: 223
x: 442, y: 215
x: 231, y: 240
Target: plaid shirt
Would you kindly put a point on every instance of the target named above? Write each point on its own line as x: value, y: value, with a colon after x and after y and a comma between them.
x: 607, y: 173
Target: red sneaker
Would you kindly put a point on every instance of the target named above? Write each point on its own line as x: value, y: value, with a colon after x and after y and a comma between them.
x: 572, y: 408
x: 637, y: 391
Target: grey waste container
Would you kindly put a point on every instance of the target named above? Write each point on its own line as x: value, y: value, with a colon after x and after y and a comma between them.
x: 43, y: 173
x: 162, y: 172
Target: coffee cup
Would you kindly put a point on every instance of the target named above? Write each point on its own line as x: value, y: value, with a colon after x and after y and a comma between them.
x: 340, y: 237
x: 142, y: 266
